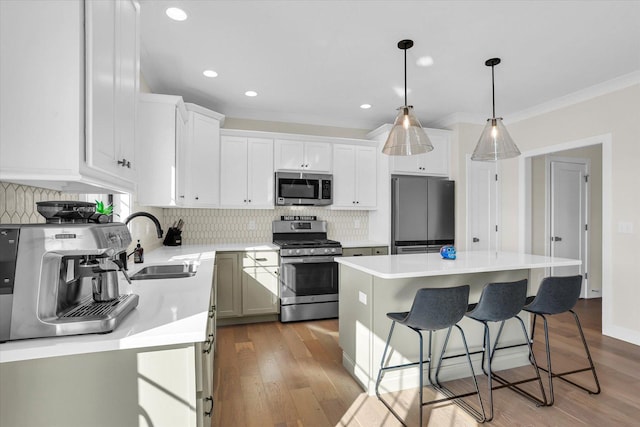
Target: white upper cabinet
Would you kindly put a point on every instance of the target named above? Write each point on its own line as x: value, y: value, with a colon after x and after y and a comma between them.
x: 246, y: 172
x: 162, y: 127
x: 305, y: 156
x: 199, y: 164
x: 69, y: 82
x: 181, y: 147
x: 435, y: 162
x: 354, y: 177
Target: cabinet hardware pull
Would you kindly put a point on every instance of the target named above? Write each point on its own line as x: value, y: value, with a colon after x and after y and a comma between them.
x: 210, y: 340
x: 261, y: 259
x: 197, y: 198
x: 124, y: 163
x: 210, y: 411
x: 476, y: 240
x: 249, y: 200
x: 212, y: 311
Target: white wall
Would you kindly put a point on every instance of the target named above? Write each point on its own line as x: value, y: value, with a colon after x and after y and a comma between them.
x: 613, y: 119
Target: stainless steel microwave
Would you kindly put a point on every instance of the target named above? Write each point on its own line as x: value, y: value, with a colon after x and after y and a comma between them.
x: 303, y: 189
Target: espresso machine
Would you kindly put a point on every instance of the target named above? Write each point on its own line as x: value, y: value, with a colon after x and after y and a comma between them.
x: 61, y: 278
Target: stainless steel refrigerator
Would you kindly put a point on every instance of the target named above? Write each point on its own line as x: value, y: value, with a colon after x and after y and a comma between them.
x: 422, y: 214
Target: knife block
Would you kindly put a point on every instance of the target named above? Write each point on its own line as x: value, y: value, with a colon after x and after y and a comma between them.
x: 173, y: 237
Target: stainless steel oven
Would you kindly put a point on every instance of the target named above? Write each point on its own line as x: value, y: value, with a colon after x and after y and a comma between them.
x: 308, y: 272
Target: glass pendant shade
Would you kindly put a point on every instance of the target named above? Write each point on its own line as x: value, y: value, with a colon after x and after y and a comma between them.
x: 407, y: 136
x: 495, y: 143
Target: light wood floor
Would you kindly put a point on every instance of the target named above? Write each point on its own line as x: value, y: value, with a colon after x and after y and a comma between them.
x: 274, y: 374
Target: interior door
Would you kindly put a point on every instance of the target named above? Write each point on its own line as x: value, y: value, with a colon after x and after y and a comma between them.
x: 568, y: 222
x: 482, y: 221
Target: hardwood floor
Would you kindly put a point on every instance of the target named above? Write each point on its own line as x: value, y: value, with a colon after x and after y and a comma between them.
x: 275, y: 374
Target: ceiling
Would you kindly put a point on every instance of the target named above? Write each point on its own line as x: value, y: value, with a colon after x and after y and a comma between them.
x: 316, y: 62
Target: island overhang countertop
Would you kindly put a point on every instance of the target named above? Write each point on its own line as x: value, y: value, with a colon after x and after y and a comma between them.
x: 432, y: 264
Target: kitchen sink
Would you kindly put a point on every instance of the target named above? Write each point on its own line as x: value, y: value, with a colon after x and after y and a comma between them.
x: 171, y: 271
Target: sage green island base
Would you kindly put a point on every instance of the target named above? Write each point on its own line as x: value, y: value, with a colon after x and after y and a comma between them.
x: 372, y: 286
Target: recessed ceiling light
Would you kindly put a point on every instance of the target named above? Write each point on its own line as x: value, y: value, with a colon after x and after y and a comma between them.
x: 424, y: 61
x: 176, y: 14
x: 210, y: 73
x: 365, y: 106
x: 251, y: 93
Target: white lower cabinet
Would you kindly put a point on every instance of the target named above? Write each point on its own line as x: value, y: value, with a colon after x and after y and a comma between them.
x: 247, y: 283
x: 354, y: 177
x: 365, y: 251
x: 154, y: 386
x: 246, y: 173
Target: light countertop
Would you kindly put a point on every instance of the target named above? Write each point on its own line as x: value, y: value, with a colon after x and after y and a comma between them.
x: 432, y: 264
x: 169, y: 312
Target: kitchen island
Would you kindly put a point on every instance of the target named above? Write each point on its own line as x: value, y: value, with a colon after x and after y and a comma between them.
x: 155, y: 368
x: 372, y: 286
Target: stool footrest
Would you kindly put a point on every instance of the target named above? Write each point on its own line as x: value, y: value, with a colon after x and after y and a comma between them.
x: 514, y: 386
x: 575, y: 371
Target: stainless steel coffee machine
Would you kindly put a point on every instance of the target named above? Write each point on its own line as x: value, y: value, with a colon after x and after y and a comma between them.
x: 61, y: 278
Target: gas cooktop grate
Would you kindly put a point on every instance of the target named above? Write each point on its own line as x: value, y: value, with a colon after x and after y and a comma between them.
x: 91, y: 308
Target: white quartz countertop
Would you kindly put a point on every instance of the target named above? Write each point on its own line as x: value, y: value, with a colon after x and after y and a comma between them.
x: 432, y: 264
x: 169, y: 311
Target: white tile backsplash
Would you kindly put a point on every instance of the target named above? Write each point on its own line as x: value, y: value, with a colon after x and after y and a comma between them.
x: 210, y: 226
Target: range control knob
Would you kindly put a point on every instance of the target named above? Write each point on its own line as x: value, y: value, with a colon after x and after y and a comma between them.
x: 326, y: 250
x: 297, y: 251
x: 311, y: 251
x: 333, y: 250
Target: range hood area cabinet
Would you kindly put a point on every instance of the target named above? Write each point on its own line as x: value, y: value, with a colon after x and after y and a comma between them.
x: 354, y: 177
x: 180, y: 144
x: 302, y: 156
x: 69, y: 80
x: 246, y: 172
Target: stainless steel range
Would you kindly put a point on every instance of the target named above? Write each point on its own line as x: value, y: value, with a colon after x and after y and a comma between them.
x: 308, y: 272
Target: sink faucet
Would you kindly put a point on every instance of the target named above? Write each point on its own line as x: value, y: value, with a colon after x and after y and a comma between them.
x: 148, y: 215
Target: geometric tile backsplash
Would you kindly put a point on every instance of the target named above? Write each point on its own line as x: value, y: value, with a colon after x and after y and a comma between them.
x: 202, y: 226
x: 18, y: 202
x: 206, y: 226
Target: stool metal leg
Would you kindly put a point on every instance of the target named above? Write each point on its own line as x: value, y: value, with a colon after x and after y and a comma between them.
x: 514, y: 385
x: 479, y: 416
x: 549, y: 370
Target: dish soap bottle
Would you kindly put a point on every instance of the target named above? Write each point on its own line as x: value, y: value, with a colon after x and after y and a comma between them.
x: 138, y: 254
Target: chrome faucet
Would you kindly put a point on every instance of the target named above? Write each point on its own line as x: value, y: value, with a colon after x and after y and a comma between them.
x: 151, y: 217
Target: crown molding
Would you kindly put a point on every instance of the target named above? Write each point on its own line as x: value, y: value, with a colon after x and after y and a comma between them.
x: 586, y: 94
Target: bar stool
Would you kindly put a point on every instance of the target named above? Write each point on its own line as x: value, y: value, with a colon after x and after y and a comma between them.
x: 559, y: 295
x: 433, y: 309
x: 500, y: 302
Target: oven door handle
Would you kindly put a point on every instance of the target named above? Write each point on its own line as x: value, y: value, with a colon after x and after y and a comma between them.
x: 306, y: 260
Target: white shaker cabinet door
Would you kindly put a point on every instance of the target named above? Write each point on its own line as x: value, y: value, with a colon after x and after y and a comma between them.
x: 366, y: 177
x: 203, y: 158
x: 233, y: 171
x: 111, y: 84
x: 289, y: 155
x: 317, y: 157
x: 260, y: 178
x: 344, y: 182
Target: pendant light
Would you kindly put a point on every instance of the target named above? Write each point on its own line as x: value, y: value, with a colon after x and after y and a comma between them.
x: 495, y: 143
x: 407, y: 136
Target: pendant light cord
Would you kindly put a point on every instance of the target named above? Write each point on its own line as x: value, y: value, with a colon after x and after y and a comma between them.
x: 493, y: 93
x: 405, y: 77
